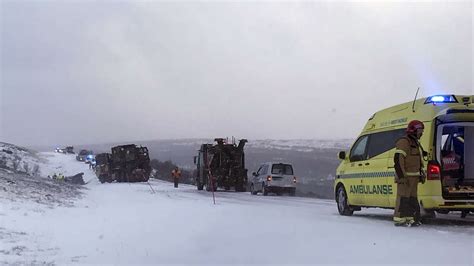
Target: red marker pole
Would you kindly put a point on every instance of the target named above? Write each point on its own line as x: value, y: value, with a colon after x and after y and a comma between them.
x: 212, y: 184
x: 212, y: 179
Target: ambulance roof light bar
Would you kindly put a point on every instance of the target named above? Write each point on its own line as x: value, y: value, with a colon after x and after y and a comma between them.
x: 441, y: 99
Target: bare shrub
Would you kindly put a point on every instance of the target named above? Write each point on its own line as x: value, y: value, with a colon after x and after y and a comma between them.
x: 3, y: 162
x: 26, y: 167
x: 16, y: 163
x: 36, y: 170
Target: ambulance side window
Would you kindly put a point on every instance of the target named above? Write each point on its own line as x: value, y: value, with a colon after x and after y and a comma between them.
x: 383, y: 141
x: 359, y: 151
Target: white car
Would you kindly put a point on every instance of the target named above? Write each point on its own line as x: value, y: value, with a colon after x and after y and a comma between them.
x: 273, y: 177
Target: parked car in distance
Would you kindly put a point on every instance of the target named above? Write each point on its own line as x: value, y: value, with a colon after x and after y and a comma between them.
x: 273, y: 177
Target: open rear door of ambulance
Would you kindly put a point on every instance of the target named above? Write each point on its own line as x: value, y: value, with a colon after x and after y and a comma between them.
x: 455, y: 154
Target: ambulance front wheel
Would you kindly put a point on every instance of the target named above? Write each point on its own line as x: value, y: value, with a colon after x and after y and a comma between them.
x: 342, y: 202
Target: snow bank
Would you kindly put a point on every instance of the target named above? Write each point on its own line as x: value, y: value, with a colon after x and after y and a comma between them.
x: 24, y: 195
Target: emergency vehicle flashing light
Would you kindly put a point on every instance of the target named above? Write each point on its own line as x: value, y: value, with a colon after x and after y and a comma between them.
x: 441, y: 99
x: 437, y: 99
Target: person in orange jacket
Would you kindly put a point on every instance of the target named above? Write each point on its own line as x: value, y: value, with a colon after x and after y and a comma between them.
x: 176, y: 174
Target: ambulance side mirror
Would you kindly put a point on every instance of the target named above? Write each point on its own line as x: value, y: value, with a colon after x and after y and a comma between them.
x: 342, y: 155
x: 195, y: 159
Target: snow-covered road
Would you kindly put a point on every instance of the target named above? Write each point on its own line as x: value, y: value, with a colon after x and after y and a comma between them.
x: 122, y: 223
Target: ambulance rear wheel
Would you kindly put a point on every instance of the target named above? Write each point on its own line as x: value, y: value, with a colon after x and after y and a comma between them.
x: 342, y: 202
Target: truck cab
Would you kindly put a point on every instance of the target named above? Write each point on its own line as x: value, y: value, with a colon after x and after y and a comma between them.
x: 221, y: 165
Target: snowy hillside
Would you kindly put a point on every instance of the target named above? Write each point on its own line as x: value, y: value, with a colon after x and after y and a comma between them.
x: 18, y: 159
x: 134, y: 224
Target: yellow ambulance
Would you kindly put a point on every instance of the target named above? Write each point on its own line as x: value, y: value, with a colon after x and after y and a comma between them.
x: 365, y: 176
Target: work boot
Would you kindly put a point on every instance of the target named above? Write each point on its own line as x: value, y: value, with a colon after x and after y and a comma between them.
x: 397, y: 221
x: 416, y: 223
x: 412, y: 222
x: 405, y: 224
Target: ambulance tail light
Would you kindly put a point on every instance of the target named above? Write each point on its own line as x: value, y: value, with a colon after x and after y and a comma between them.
x: 434, y: 171
x: 294, y: 179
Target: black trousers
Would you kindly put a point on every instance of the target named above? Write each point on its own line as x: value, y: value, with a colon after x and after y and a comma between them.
x: 176, y: 182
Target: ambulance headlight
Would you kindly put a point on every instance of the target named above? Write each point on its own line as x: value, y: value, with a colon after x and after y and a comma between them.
x: 441, y: 99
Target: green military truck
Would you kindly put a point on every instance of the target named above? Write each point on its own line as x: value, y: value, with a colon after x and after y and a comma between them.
x: 102, y: 167
x: 221, y: 165
x: 126, y: 163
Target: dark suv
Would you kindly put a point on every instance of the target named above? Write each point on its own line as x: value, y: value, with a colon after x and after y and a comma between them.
x: 82, y: 155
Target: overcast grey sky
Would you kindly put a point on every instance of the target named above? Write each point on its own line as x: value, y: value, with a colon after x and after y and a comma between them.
x: 97, y: 71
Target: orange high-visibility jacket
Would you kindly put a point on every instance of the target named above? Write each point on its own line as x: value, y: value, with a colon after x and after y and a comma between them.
x: 175, y: 173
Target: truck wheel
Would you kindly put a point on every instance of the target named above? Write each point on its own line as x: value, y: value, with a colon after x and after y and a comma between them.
x: 142, y: 176
x: 209, y: 187
x: 200, y: 186
x: 342, y: 202
x: 292, y: 192
x: 240, y: 188
x: 252, y: 191
x: 443, y: 211
x: 264, y: 190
